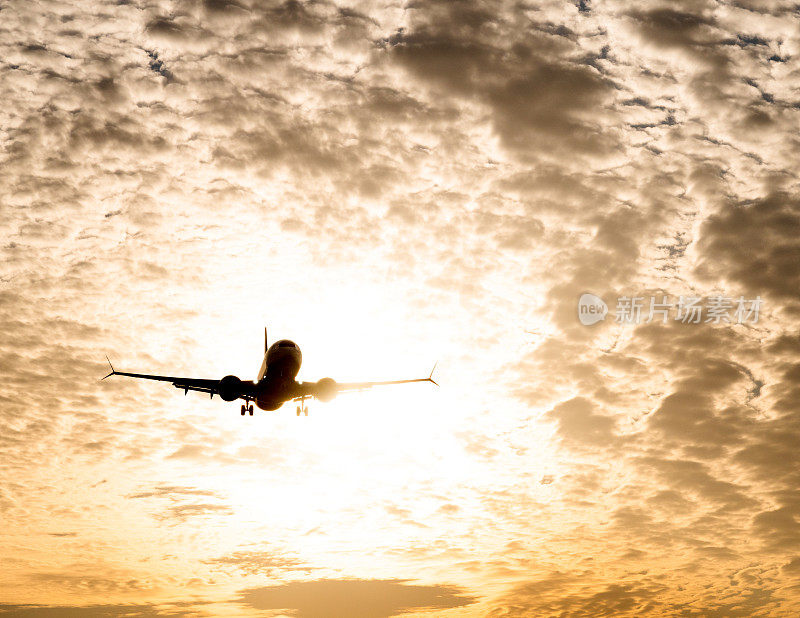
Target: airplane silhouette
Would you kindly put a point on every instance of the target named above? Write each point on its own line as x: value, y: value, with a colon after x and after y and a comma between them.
x: 275, y: 384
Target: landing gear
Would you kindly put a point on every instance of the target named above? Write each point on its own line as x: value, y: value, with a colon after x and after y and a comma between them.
x: 244, y: 409
x: 302, y: 408
x: 247, y: 409
x: 250, y: 409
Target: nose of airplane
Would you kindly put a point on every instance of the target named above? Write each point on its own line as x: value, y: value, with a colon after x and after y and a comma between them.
x: 284, y: 350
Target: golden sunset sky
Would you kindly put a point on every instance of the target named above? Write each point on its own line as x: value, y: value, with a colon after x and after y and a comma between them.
x: 389, y: 184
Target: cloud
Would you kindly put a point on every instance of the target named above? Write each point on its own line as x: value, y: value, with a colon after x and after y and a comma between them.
x: 171, y: 491
x: 545, y: 597
x: 83, y: 580
x: 538, y: 102
x: 181, y: 512
x: 173, y: 175
x: 578, y: 424
x: 270, y: 563
x: 669, y: 28
x: 359, y: 598
x: 754, y: 246
x: 67, y: 611
x: 63, y: 534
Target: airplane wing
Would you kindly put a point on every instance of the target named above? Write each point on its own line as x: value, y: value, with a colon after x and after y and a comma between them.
x: 343, y: 387
x: 185, y: 384
x: 327, y: 388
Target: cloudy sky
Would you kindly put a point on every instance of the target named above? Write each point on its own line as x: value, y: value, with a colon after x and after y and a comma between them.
x: 390, y: 184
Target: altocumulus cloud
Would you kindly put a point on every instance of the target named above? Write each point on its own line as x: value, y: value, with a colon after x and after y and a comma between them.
x: 357, y: 598
x: 166, y: 166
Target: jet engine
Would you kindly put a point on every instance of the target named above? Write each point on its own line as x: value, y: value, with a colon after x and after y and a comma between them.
x: 230, y: 388
x: 326, y: 389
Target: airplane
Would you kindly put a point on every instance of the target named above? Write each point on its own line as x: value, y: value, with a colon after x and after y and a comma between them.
x: 275, y: 384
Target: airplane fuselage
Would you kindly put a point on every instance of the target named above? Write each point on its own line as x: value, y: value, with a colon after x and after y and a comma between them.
x: 276, y: 381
